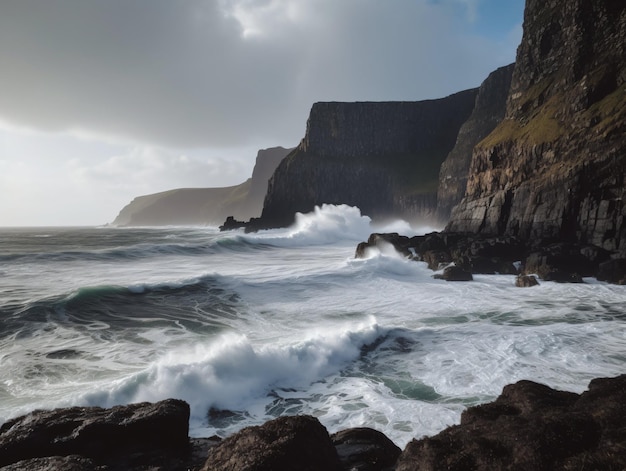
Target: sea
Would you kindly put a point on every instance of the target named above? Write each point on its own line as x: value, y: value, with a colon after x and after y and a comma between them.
x: 249, y: 327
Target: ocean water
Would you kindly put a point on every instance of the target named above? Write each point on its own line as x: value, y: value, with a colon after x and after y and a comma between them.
x: 248, y: 327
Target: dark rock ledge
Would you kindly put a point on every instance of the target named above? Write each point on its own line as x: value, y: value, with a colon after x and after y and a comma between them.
x: 462, y: 254
x: 528, y: 427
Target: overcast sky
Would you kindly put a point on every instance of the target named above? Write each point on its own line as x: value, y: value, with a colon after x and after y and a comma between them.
x: 105, y: 100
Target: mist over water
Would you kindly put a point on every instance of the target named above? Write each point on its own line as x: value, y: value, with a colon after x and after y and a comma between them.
x: 282, y: 322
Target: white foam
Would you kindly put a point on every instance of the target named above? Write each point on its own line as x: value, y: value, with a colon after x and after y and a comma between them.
x: 326, y: 224
x: 232, y: 373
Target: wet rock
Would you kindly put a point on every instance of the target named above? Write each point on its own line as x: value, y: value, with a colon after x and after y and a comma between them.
x: 437, y: 259
x: 97, y: 433
x: 613, y: 271
x: 561, y: 262
x: 231, y: 224
x: 289, y: 443
x: 454, y: 273
x: 532, y: 427
x: 365, y: 449
x: 56, y: 463
x: 526, y: 281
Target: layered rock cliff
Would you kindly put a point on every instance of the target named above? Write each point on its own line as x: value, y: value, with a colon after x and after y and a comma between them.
x: 555, y: 167
x: 200, y: 206
x: 489, y: 111
x: 382, y: 157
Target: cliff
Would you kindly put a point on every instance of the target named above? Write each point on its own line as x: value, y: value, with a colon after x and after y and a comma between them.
x: 382, y: 157
x: 199, y: 206
x: 488, y: 112
x: 555, y: 166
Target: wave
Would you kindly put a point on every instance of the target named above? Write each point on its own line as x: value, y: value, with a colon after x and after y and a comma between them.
x: 195, y: 304
x: 231, y: 373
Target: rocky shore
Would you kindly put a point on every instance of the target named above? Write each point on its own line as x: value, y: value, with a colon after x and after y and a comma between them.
x: 528, y: 427
x: 461, y: 254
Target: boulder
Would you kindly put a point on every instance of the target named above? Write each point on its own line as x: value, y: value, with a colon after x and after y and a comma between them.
x: 532, y: 427
x: 437, y: 259
x: 526, y: 281
x: 96, y: 433
x: 289, y: 443
x: 613, y: 271
x: 231, y: 224
x: 454, y: 273
x: 561, y: 262
x: 365, y: 449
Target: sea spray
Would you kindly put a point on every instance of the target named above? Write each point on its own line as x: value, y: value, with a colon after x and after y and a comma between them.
x: 231, y: 373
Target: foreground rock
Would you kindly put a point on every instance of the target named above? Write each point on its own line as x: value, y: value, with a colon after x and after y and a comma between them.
x: 365, y: 449
x: 529, y: 427
x: 123, y: 437
x: 289, y: 443
x: 532, y: 427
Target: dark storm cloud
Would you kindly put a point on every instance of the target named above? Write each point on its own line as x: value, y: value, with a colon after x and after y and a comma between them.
x: 186, y: 73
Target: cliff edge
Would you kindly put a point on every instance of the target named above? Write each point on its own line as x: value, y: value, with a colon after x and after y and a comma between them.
x: 382, y: 157
x: 488, y: 112
x: 201, y: 206
x: 555, y: 166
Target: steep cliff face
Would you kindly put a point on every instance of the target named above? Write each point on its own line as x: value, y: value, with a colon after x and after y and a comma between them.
x: 382, y: 157
x: 556, y: 165
x: 488, y: 112
x: 200, y: 206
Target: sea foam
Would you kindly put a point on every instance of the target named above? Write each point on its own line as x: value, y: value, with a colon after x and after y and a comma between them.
x: 232, y: 373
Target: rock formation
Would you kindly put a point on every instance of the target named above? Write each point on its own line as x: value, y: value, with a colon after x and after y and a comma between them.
x: 488, y: 112
x: 528, y: 427
x: 136, y: 436
x: 531, y: 427
x: 201, y: 206
x: 555, y: 167
x: 382, y: 157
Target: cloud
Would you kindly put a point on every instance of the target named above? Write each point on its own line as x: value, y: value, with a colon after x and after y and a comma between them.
x: 209, y: 73
x: 48, y: 179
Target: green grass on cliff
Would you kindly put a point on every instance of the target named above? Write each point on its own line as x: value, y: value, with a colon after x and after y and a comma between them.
x: 609, y: 114
x: 542, y: 127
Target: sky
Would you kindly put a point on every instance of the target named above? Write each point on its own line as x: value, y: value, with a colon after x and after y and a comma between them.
x: 106, y: 100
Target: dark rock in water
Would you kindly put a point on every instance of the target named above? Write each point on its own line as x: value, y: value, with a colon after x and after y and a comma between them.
x: 286, y: 443
x: 532, y: 427
x: 402, y: 244
x: 613, y: 271
x: 231, y: 224
x: 365, y: 449
x: 437, y: 259
x: 526, y: 281
x: 455, y: 273
x: 562, y: 262
x: 485, y: 265
x: 93, y: 432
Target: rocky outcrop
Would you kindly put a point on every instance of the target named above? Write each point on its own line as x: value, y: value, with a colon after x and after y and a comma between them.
x: 299, y: 442
x: 365, y: 449
x: 528, y: 427
x: 488, y: 112
x: 201, y: 206
x: 508, y: 255
x: 556, y: 165
x: 85, y: 438
x: 531, y: 427
x: 382, y: 157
